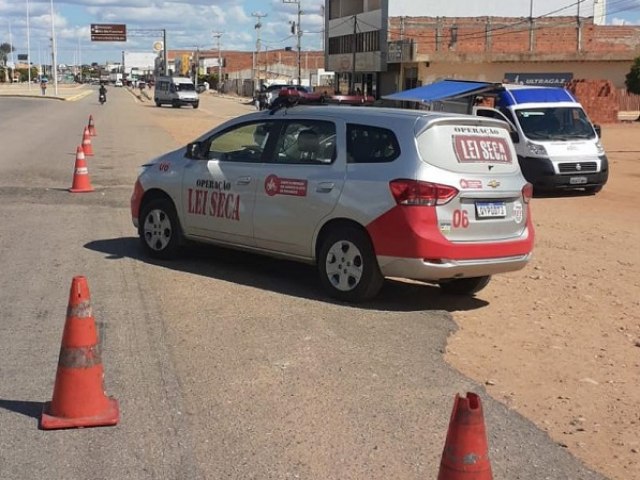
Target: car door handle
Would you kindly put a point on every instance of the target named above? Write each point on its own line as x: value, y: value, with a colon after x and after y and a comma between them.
x: 325, y: 187
x: 243, y: 181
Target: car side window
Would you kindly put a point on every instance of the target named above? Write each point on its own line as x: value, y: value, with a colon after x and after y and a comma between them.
x: 367, y: 144
x: 306, y: 142
x: 243, y: 143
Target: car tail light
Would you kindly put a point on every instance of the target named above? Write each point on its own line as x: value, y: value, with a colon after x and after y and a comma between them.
x: 414, y: 192
x: 527, y: 192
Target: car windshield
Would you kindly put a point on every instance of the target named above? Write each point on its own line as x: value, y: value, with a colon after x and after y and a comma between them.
x: 555, y: 123
x: 185, y: 87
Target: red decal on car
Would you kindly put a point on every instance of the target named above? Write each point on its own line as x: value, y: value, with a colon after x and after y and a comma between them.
x: 484, y: 149
x: 274, y: 185
x: 470, y: 183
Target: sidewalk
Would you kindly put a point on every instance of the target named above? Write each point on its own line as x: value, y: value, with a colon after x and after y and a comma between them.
x: 68, y: 92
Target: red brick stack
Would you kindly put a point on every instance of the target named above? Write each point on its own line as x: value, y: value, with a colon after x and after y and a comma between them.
x: 598, y: 97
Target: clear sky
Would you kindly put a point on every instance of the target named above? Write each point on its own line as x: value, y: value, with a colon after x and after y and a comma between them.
x: 190, y: 23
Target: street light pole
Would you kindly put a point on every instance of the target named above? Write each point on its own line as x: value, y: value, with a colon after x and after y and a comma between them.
x: 217, y: 35
x: 258, y: 26
x: 53, y: 52
x: 28, y: 47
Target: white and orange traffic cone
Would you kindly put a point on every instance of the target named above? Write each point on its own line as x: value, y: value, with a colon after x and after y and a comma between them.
x: 81, y: 180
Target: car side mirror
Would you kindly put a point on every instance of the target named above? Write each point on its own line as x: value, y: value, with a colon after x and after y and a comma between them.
x: 194, y: 150
x: 598, y: 130
x: 515, y: 138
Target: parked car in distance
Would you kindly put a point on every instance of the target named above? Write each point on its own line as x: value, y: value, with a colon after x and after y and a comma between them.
x: 363, y: 193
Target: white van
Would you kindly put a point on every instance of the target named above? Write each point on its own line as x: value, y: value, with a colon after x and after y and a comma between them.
x: 175, y: 91
x: 558, y: 146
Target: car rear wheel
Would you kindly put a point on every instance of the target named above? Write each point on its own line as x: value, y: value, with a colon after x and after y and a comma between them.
x: 159, y: 229
x: 465, y: 286
x: 348, y: 267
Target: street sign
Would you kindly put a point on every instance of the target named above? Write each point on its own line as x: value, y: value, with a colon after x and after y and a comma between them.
x: 108, y: 32
x: 23, y: 56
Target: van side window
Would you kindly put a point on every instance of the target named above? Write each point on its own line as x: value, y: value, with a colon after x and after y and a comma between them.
x: 367, y: 144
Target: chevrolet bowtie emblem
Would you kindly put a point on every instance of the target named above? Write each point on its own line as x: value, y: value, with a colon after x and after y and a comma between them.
x: 493, y: 184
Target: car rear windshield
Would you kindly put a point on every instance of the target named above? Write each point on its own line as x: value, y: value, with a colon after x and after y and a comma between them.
x: 468, y: 148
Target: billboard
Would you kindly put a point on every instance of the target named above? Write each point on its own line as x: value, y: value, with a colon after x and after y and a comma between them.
x: 108, y: 32
x: 540, y: 79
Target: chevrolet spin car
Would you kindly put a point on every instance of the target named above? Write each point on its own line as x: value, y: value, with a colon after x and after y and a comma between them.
x: 363, y: 193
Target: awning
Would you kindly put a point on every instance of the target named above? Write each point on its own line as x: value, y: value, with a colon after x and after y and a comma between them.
x: 442, y: 90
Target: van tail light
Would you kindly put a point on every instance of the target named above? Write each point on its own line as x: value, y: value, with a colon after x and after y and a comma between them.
x: 414, y: 192
x: 527, y: 193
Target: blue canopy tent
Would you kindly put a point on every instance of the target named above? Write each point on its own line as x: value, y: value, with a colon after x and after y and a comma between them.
x: 442, y: 90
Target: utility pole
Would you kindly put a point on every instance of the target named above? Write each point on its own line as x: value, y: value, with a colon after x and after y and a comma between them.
x: 579, y: 27
x: 28, y: 48
x: 257, y: 26
x: 217, y: 36
x: 531, y: 25
x: 354, y: 44
x: 298, y: 35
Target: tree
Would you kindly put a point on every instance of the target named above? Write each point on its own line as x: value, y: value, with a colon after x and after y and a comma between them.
x: 5, y: 50
x: 633, y: 77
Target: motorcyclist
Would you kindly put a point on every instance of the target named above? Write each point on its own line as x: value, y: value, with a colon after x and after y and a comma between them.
x: 102, y: 95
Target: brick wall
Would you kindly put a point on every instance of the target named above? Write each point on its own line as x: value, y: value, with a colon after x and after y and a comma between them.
x: 551, y: 35
x: 236, y: 61
x: 599, y: 98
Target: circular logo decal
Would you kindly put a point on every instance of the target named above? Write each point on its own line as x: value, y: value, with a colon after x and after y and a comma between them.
x: 272, y: 185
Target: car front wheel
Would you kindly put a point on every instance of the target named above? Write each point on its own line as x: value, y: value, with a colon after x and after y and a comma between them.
x: 465, y: 286
x: 159, y: 229
x: 348, y: 267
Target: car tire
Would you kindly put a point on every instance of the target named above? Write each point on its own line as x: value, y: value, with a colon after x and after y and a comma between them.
x: 159, y: 229
x: 347, y: 265
x: 196, y: 105
x: 465, y: 286
x: 158, y: 104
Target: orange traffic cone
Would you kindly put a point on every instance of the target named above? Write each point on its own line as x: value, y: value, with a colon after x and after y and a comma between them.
x: 86, y: 143
x: 81, y: 180
x: 466, y: 454
x: 92, y: 127
x: 78, y: 395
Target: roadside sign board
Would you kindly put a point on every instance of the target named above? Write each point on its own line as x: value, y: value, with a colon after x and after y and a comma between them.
x: 108, y: 32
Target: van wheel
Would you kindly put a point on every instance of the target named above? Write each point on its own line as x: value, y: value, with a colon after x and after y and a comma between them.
x: 175, y: 105
x: 465, y: 286
x: 158, y: 104
x: 159, y: 229
x: 348, y: 267
x: 196, y: 105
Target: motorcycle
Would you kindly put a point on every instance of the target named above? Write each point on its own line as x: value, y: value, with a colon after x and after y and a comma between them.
x: 102, y: 98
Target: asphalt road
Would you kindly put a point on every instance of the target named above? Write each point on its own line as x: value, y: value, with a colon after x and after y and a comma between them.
x: 226, y: 365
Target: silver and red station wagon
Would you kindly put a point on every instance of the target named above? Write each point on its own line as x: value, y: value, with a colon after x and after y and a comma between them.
x: 364, y: 193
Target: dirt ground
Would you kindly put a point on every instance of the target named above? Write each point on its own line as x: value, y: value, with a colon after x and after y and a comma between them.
x: 559, y: 341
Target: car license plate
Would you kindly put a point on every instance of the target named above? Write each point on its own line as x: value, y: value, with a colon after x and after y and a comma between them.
x: 491, y: 209
x: 577, y: 180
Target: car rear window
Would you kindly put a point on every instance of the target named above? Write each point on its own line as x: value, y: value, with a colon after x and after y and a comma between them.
x: 367, y: 144
x: 468, y: 148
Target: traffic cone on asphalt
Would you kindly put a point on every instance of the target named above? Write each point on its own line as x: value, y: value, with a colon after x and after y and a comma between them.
x: 92, y: 127
x: 81, y: 181
x: 78, y: 395
x: 86, y: 143
x: 466, y: 453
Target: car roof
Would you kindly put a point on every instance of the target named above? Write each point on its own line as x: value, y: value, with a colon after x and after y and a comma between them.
x: 358, y: 114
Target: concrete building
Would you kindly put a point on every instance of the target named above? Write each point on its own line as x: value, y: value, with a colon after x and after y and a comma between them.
x: 383, y: 46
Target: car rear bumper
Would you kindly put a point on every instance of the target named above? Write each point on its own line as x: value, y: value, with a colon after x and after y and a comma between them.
x: 444, y: 269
